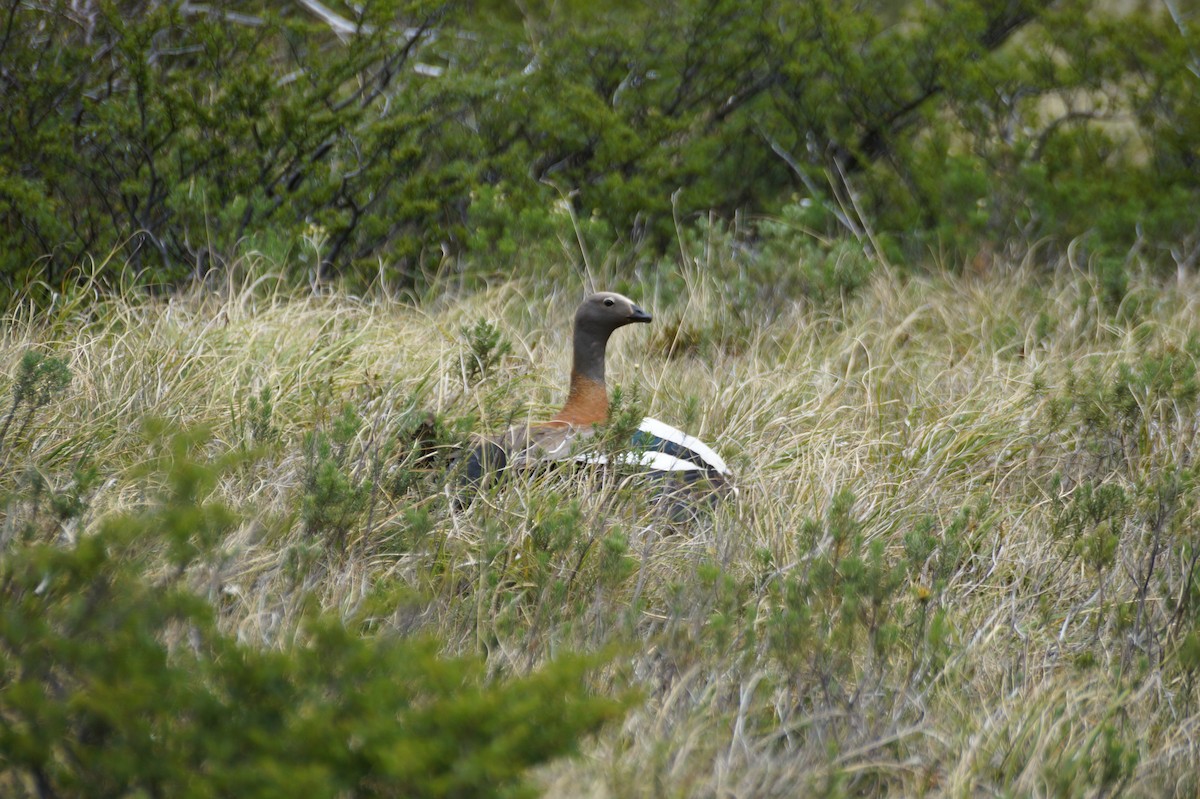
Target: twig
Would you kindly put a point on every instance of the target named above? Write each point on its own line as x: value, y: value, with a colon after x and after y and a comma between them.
x: 337, y: 23
x: 862, y: 218
x: 567, y: 198
x: 841, y: 217
x: 1177, y: 18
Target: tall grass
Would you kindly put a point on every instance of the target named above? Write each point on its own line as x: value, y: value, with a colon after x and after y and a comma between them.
x: 916, y: 591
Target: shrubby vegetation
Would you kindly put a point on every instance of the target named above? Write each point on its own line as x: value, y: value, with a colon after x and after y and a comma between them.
x: 115, y: 678
x: 396, y: 139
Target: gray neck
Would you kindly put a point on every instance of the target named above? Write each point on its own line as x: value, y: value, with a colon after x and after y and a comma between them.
x: 589, y: 353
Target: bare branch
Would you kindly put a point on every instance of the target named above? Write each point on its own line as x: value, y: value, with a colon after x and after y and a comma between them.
x: 229, y: 16
x: 1070, y: 117
x: 843, y: 219
x: 337, y: 23
x: 848, y: 188
x: 1177, y: 18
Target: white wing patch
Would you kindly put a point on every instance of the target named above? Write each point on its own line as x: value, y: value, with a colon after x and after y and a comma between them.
x: 664, y: 461
x: 664, y: 431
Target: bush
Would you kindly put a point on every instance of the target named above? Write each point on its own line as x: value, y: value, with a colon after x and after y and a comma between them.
x: 115, y: 679
x: 39, y: 380
x: 1126, y: 490
x: 389, y: 136
x: 172, y: 132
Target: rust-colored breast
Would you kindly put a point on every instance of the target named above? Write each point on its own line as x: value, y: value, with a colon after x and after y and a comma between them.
x: 587, y: 402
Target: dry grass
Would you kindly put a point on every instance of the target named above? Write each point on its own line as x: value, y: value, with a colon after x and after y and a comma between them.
x: 922, y: 397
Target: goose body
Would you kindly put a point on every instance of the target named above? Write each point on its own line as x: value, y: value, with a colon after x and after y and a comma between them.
x: 656, y: 448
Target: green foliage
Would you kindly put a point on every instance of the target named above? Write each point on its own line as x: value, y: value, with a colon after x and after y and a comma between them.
x: 826, y: 274
x: 1115, y: 415
x: 255, y: 420
x: 933, y: 555
x: 852, y: 620
x: 168, y: 132
x: 840, y: 608
x: 1093, y: 522
x: 1126, y: 489
x: 38, y: 509
x: 115, y: 679
x: 1106, y: 762
x: 625, y: 413
x: 40, y: 379
x: 485, y: 347
x: 337, y: 494
x: 427, y: 445
x: 171, y: 137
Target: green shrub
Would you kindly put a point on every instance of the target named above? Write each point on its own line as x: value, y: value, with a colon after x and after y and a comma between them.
x: 337, y: 494
x: 39, y: 380
x: 838, y: 610
x: 485, y: 346
x: 1125, y: 491
x: 825, y: 273
x: 115, y: 679
x: 255, y: 420
x: 168, y: 138
x: 172, y: 133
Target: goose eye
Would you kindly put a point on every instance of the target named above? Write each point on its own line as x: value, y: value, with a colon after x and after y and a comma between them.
x: 608, y: 302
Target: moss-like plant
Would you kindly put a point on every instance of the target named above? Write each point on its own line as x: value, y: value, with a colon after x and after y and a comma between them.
x: 40, y: 379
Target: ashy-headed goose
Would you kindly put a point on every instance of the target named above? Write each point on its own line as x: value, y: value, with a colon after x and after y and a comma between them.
x: 657, y: 448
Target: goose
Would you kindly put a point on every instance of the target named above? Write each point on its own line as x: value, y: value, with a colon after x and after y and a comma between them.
x: 656, y: 449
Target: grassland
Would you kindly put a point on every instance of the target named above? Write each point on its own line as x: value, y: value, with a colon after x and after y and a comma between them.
x: 962, y: 560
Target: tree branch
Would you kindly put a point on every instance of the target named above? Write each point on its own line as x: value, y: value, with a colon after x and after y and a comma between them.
x: 1177, y: 18
x: 843, y: 219
x: 337, y: 23
x: 874, y: 141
